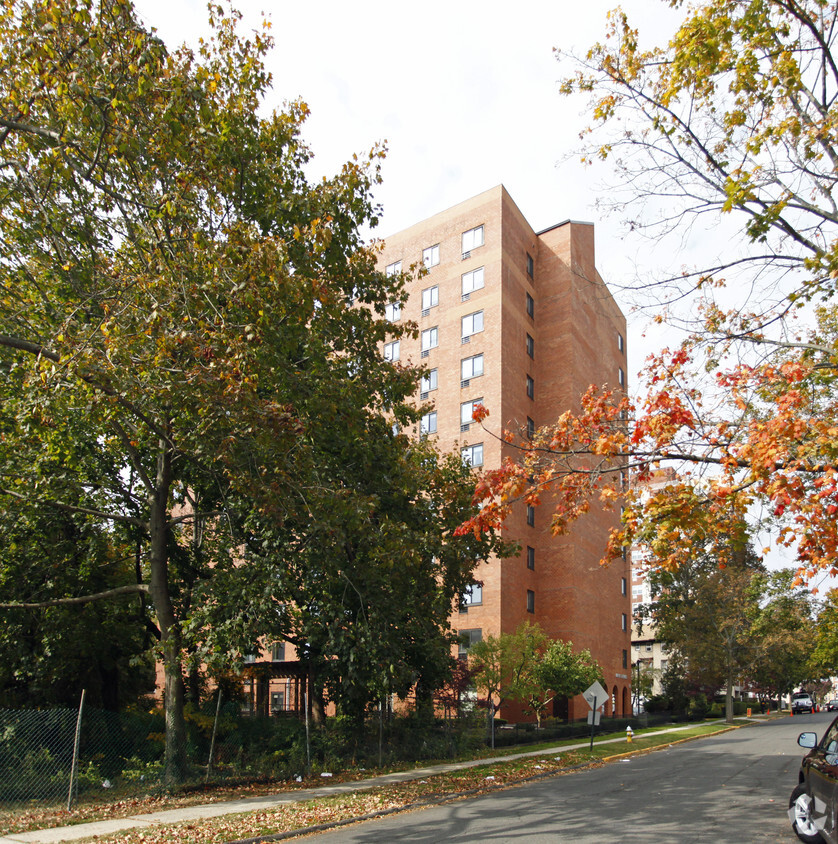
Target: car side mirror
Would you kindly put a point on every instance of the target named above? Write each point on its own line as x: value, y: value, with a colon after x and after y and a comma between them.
x: 807, y: 739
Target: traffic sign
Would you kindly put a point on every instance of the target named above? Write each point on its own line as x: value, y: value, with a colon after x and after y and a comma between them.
x: 595, y: 695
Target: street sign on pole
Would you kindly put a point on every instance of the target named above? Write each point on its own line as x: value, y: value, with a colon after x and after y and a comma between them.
x: 595, y: 693
x: 595, y: 696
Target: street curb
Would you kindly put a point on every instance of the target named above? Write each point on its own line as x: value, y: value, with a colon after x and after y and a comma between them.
x: 408, y: 807
x: 435, y: 801
x: 643, y: 750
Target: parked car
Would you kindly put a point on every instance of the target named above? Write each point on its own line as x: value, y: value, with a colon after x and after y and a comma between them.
x: 832, y: 705
x: 802, y: 702
x: 813, y: 806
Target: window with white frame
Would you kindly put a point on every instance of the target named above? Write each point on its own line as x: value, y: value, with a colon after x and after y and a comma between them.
x: 473, y: 454
x: 472, y: 324
x: 472, y: 239
x: 430, y: 298
x: 472, y: 596
x: 623, y: 621
x: 393, y: 312
x: 621, y: 376
x: 430, y: 256
x: 620, y: 342
x: 467, y: 411
x: 472, y: 281
x: 429, y: 382
x: 428, y: 423
x: 430, y: 340
x: 393, y: 269
x: 278, y: 652
x: 392, y: 350
x: 471, y: 367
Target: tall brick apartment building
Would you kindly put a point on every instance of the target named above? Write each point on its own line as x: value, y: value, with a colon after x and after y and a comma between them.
x: 522, y: 322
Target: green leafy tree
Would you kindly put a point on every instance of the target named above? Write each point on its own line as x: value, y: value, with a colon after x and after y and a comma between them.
x: 502, y: 666
x: 177, y: 339
x: 824, y: 657
x: 704, y: 610
x: 784, y: 636
x: 557, y: 672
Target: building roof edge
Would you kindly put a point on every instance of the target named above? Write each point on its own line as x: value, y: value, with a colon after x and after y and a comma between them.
x: 564, y: 223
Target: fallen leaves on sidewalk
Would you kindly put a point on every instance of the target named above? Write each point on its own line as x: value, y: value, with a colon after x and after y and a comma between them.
x: 342, y: 807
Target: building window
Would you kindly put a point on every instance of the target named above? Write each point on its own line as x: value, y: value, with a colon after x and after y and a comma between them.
x: 625, y: 658
x: 430, y: 256
x: 530, y: 387
x: 530, y: 428
x: 620, y: 342
x: 473, y: 455
x: 530, y: 515
x: 529, y: 265
x: 393, y: 269
x: 430, y: 299
x: 623, y: 586
x: 530, y: 600
x: 472, y: 239
x: 472, y: 324
x: 430, y: 340
x: 471, y: 367
x: 467, y: 411
x: 472, y: 281
x: 621, y: 376
x: 530, y: 558
x: 624, y: 621
x: 393, y: 312
x: 467, y: 639
x: 472, y: 597
x: 530, y: 305
x: 428, y: 423
x: 278, y: 652
x: 429, y: 382
x: 530, y: 346
x: 391, y: 350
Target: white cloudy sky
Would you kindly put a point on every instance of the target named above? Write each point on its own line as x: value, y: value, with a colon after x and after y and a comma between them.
x: 465, y: 98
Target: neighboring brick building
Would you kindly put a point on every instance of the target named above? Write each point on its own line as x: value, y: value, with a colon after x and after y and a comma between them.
x: 522, y: 322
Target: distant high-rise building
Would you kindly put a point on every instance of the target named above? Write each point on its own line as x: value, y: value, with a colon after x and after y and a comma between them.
x: 521, y: 322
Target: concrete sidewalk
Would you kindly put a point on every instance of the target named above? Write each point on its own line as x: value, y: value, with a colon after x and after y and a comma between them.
x: 254, y: 804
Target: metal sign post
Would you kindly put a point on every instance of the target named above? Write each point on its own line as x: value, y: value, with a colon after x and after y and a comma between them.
x: 593, y: 693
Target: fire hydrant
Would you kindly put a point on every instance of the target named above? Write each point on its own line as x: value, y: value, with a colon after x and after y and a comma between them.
x: 629, y: 734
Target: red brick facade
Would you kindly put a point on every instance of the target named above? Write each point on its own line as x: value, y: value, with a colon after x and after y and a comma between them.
x: 534, y: 367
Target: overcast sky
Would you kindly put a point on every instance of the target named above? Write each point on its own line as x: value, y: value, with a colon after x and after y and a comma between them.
x: 465, y: 98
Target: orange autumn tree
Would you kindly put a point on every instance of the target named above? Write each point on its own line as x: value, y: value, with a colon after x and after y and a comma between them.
x: 768, y: 433
x: 732, y: 121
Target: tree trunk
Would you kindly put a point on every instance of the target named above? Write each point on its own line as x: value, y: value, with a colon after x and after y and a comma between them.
x: 424, y: 703
x: 173, y: 687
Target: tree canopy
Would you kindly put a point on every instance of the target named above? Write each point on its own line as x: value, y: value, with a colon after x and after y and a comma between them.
x: 190, y: 342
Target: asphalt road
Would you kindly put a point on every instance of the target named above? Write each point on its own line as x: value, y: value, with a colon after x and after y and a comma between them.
x: 728, y: 788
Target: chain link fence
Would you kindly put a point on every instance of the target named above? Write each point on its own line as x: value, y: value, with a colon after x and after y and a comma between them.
x: 121, y: 755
